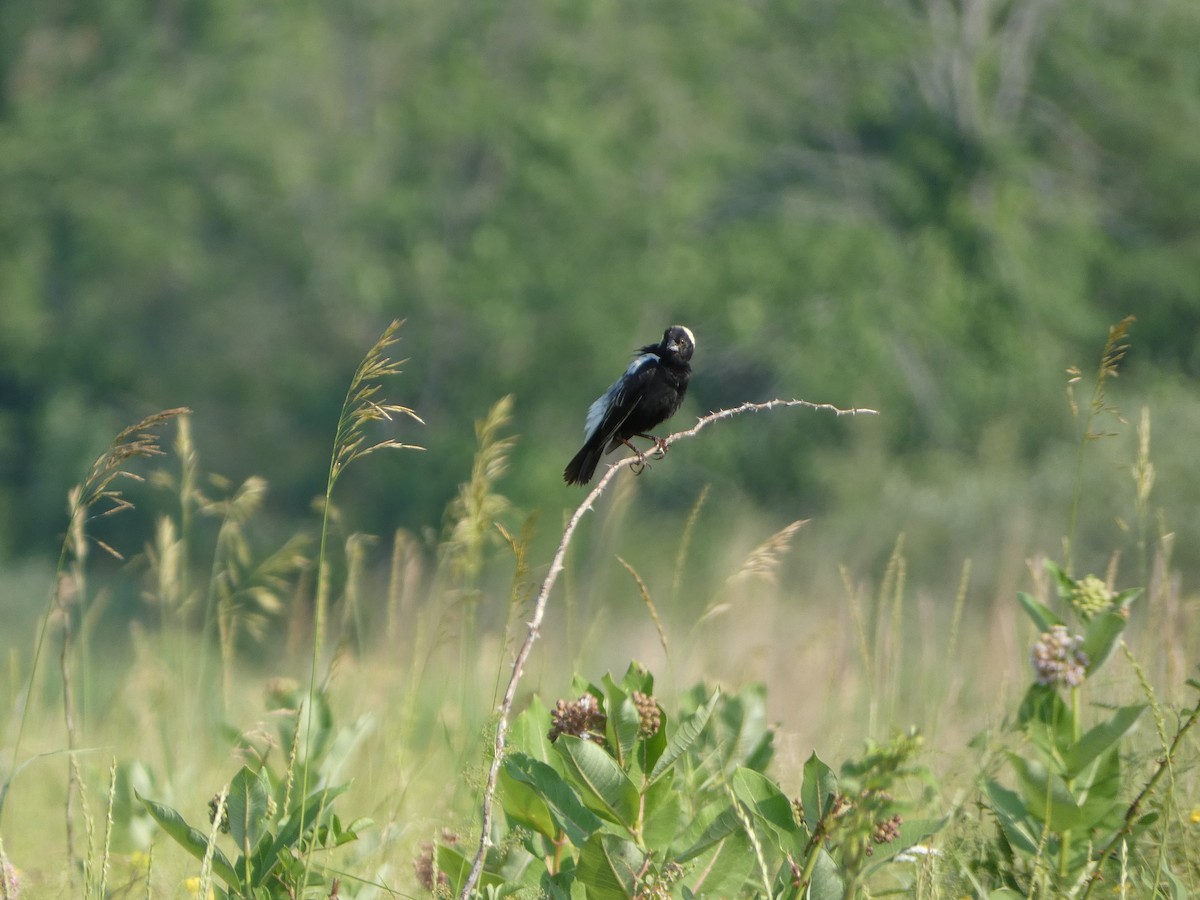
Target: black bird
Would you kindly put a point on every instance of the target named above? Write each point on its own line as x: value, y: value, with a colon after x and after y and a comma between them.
x: 648, y: 394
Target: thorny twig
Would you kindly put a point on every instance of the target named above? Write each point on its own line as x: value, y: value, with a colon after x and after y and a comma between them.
x: 539, y: 608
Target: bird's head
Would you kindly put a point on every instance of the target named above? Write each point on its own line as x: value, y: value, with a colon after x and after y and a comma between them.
x: 678, y: 339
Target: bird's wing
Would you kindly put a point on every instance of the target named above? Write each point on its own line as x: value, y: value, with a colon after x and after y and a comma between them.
x: 611, y: 409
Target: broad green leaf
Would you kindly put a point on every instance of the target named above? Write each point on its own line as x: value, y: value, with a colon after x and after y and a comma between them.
x: 724, y: 824
x: 660, y: 819
x: 1100, y: 638
x: 684, y: 736
x: 1101, y: 738
x: 559, y: 801
x: 818, y: 791
x: 1045, y: 793
x: 1022, y: 831
x: 738, y: 734
x: 192, y: 840
x: 1047, y: 796
x: 638, y: 678
x: 622, y: 725
x: 1097, y: 787
x: 249, y: 794
x: 522, y: 803
x: 747, y: 738
x: 722, y: 869
x: 599, y: 780
x: 826, y: 882
x: 770, y: 806
x: 1047, y: 721
x: 1042, y: 616
x: 529, y: 734
x: 608, y: 866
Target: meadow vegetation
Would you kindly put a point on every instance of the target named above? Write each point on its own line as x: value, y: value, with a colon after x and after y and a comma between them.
x: 797, y: 634
x: 316, y: 714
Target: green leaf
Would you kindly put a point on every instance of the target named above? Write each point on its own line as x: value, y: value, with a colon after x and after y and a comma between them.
x: 192, y: 840
x: 1046, y: 794
x: 599, y: 780
x: 684, y: 736
x: 725, y: 823
x: 769, y: 805
x: 560, y: 803
x: 818, y: 791
x: 1064, y: 582
x: 1047, y: 721
x: 249, y: 795
x: 608, y: 866
x: 660, y: 819
x: 1100, y: 638
x: 826, y: 882
x: 1101, y: 738
x: 529, y: 734
x: 522, y: 803
x: 1064, y: 806
x: 623, y: 724
x: 1022, y: 831
x: 638, y: 678
x: 1042, y: 617
x: 722, y: 869
x: 1096, y: 788
x: 744, y: 731
x: 302, y: 820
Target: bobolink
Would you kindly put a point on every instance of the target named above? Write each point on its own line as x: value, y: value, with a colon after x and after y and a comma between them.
x: 649, y: 393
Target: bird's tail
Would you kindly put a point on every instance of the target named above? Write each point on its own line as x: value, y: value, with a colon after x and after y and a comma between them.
x: 582, y: 466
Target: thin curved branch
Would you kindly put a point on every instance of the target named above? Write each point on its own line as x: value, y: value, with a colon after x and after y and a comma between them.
x: 539, y: 607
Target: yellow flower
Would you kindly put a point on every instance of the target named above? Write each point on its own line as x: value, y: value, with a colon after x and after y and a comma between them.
x: 193, y: 887
x: 1194, y: 818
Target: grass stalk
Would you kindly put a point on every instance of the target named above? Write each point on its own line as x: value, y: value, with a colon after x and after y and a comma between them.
x: 361, y: 408
x: 1110, y: 359
x: 97, y: 490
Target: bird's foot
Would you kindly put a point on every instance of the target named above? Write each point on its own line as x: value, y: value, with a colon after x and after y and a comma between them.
x: 641, y: 465
x: 660, y: 444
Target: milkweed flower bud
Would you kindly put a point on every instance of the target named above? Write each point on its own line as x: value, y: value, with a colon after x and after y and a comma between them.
x: 649, y: 718
x: 1090, y: 596
x: 582, y: 718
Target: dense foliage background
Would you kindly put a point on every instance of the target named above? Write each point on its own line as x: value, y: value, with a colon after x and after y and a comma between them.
x: 929, y: 208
